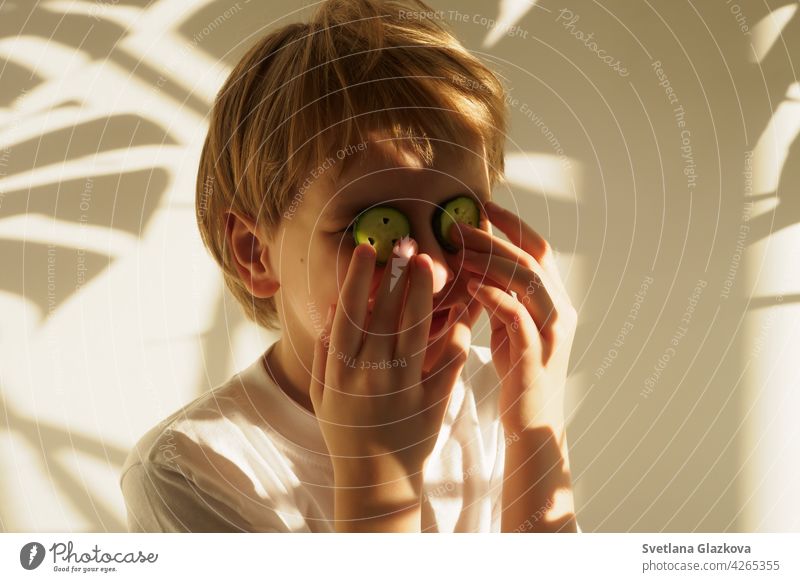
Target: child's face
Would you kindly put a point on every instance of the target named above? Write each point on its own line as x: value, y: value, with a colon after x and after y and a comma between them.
x: 313, y: 248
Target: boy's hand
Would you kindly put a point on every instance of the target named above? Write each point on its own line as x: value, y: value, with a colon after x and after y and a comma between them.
x: 379, y: 414
x: 532, y: 334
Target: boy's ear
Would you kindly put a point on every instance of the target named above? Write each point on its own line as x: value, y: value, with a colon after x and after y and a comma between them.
x: 250, y: 253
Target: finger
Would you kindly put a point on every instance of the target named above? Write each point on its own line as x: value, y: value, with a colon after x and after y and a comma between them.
x: 482, y: 241
x: 495, y: 323
x: 509, y: 276
x: 498, y: 340
x: 317, y: 388
x: 520, y: 327
x: 450, y: 361
x: 348, y: 322
x: 466, y: 236
x: 382, y: 327
x: 412, y: 340
x: 526, y: 238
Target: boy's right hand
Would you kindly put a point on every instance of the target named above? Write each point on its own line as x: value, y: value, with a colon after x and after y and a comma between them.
x: 380, y: 415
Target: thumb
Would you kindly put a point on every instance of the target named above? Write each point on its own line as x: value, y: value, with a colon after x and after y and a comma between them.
x: 317, y: 388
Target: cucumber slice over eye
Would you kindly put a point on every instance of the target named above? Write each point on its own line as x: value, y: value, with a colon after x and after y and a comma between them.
x: 462, y: 209
x: 381, y: 226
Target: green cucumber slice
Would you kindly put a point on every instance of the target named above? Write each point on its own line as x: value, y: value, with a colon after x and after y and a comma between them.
x: 462, y: 209
x: 381, y: 226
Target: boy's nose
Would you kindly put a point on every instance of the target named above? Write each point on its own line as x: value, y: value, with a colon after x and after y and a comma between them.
x: 442, y: 273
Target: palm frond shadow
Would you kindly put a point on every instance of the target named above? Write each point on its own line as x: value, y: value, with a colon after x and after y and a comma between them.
x: 779, y: 77
x: 54, y: 445
x: 27, y: 264
x: 126, y: 201
x: 117, y: 201
x: 786, y: 212
x: 111, y: 196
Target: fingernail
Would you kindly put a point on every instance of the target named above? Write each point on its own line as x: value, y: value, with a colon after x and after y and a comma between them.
x: 473, y: 285
x: 493, y: 206
x: 365, y: 251
x: 422, y: 262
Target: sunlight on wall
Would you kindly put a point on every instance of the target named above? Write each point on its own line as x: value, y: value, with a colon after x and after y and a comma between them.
x: 773, y: 145
x: 82, y: 351
x: 771, y: 411
x: 768, y: 30
x: 114, y: 315
x: 545, y: 174
x: 510, y: 13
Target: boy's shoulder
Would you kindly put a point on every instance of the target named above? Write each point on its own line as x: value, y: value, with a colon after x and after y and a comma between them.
x: 184, y: 436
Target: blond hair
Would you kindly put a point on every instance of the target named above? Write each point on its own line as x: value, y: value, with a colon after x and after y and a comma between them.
x: 308, y: 89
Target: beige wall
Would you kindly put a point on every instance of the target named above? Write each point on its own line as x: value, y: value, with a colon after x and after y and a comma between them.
x: 113, y: 316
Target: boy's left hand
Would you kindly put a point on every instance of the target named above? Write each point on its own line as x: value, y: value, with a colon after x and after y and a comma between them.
x: 532, y: 334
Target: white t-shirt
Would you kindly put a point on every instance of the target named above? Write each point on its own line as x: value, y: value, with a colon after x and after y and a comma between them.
x: 246, y: 457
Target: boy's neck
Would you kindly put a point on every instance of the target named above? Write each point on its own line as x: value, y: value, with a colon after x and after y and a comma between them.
x: 279, y: 366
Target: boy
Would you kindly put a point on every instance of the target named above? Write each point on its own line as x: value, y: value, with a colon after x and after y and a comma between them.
x: 372, y: 412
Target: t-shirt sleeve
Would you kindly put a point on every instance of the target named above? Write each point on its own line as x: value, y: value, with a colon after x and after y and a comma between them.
x: 159, y: 499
